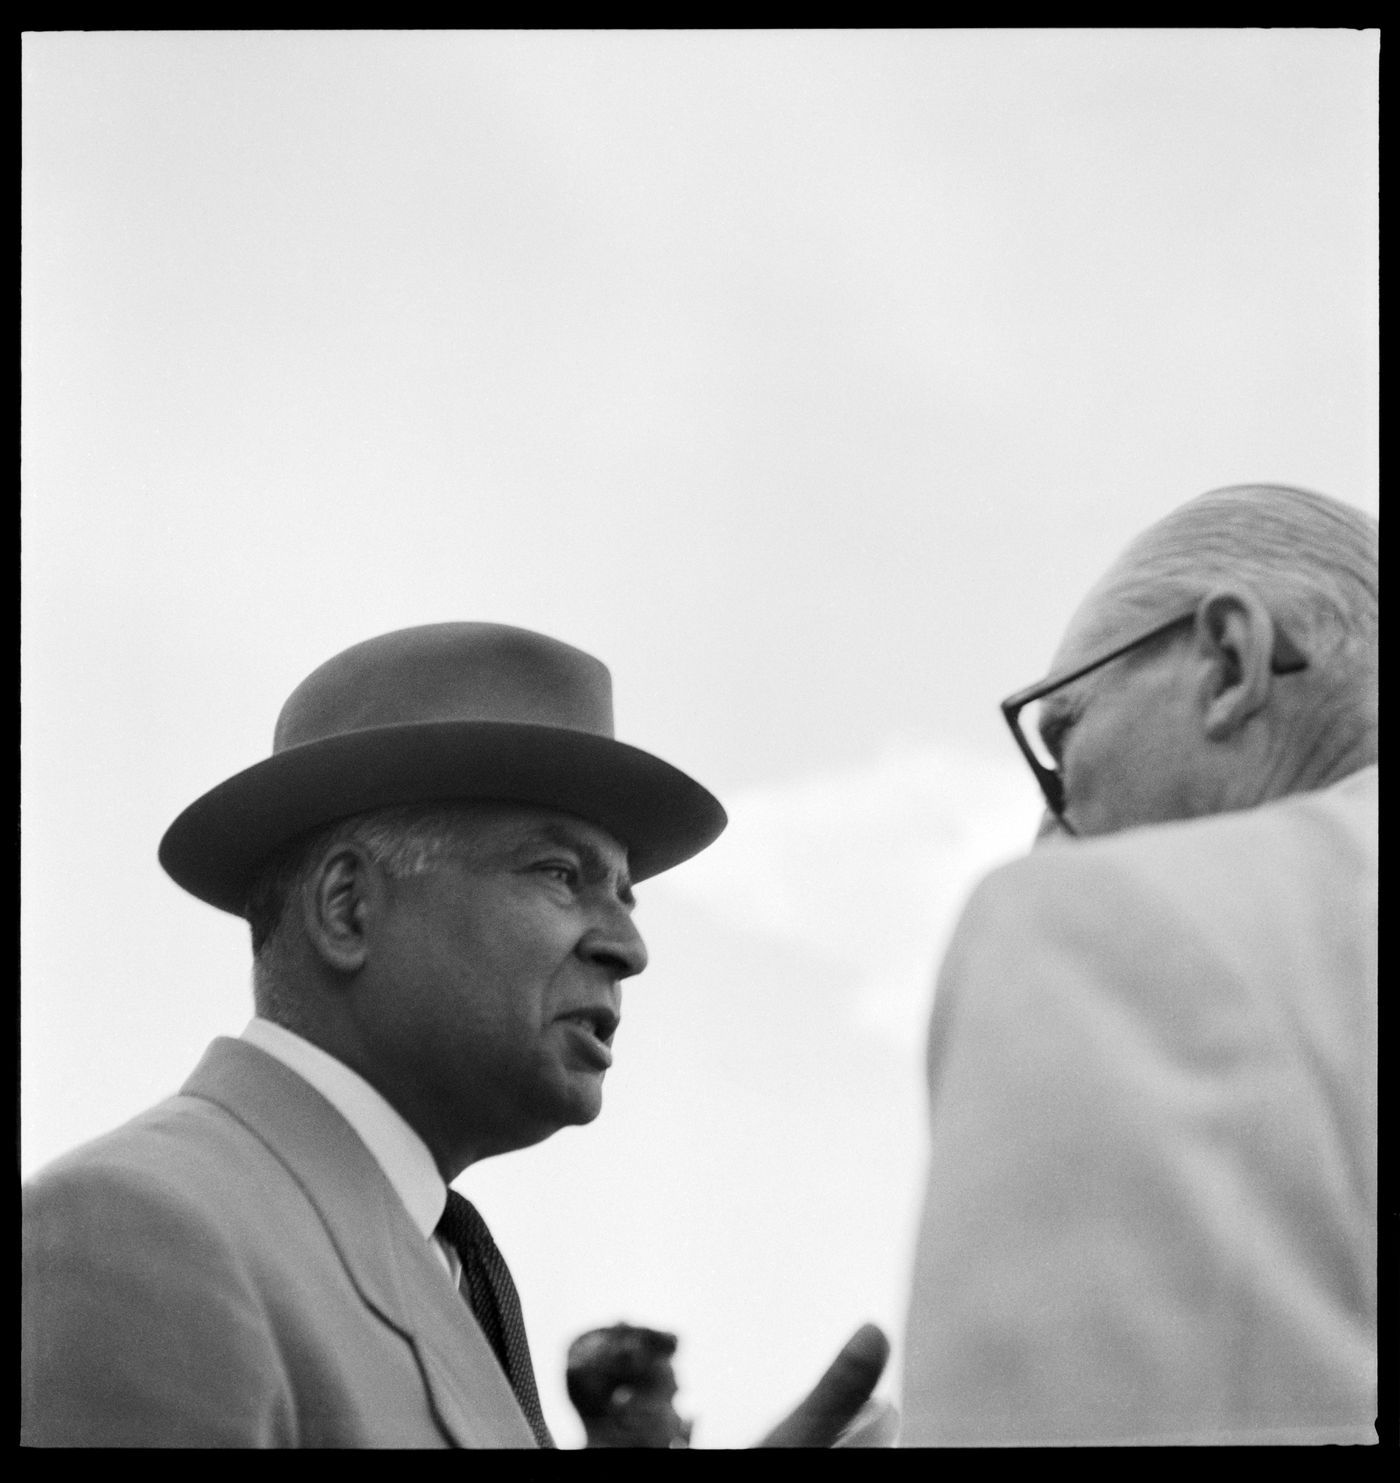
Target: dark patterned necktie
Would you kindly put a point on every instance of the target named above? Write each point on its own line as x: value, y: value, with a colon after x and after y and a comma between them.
x: 487, y: 1286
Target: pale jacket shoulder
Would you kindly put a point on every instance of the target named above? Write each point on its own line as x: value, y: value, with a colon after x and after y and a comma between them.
x: 1288, y: 888
x: 1329, y: 835
x: 233, y: 1269
x: 1150, y: 1210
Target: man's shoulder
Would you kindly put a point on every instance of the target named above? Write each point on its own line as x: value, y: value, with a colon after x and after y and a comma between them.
x: 182, y: 1148
x: 1323, y: 833
x: 1287, y: 889
x: 191, y: 1146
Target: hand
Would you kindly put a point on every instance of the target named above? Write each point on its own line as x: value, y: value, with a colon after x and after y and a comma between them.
x: 837, y: 1396
x: 876, y: 1425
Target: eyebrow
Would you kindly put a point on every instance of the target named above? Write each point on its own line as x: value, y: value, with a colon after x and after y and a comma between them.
x: 596, y: 866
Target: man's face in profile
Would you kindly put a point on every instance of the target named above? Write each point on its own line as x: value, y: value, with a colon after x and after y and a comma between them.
x: 646, y: 1413
x: 503, y: 968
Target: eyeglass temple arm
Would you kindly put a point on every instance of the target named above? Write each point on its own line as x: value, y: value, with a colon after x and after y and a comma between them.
x: 1288, y: 657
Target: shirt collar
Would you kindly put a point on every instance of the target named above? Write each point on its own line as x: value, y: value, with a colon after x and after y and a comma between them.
x: 399, y: 1151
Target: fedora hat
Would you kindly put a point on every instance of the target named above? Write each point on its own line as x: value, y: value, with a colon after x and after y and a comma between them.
x: 444, y: 712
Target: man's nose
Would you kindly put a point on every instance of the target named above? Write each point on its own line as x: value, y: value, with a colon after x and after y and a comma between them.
x: 614, y: 940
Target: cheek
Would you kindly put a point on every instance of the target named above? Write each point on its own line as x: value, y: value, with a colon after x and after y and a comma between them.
x: 476, y: 974
x: 442, y: 997
x: 1103, y: 772
x: 1134, y: 773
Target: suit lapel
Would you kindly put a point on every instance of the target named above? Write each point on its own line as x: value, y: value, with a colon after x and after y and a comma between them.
x: 385, y: 1255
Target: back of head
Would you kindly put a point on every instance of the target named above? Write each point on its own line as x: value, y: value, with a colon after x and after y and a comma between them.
x: 1312, y: 560
x: 614, y: 1372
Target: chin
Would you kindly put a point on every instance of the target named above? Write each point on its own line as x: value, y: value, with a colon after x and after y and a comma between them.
x: 571, y: 1110
x: 586, y: 1109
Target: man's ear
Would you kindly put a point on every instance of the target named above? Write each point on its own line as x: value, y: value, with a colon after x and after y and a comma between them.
x: 1235, y: 634
x: 336, y: 904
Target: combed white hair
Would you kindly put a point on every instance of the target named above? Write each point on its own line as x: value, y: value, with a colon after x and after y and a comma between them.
x: 1311, y: 559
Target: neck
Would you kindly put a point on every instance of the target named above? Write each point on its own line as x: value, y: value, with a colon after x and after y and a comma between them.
x: 1328, y: 755
x: 1331, y: 764
x: 1316, y: 738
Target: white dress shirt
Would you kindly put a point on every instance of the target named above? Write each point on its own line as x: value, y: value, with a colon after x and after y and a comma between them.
x: 397, y: 1149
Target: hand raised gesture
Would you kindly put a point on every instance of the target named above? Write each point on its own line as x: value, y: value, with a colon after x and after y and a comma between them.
x: 842, y: 1391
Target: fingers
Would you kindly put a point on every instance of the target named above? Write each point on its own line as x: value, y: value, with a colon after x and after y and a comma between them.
x: 876, y: 1425
x: 838, y: 1395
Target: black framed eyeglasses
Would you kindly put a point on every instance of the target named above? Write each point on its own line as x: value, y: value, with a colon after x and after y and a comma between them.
x: 1288, y: 659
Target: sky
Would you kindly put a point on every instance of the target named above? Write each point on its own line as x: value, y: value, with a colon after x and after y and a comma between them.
x: 807, y: 378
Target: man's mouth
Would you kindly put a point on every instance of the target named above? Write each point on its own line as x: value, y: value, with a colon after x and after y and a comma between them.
x: 599, y: 1025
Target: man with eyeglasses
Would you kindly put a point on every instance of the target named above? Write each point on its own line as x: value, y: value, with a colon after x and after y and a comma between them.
x: 1151, y: 1206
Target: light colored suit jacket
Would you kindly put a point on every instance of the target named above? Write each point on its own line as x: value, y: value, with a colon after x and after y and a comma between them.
x: 1151, y: 1204
x: 233, y: 1269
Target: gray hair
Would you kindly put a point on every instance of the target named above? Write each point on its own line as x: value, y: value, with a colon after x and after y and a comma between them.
x: 402, y: 841
x: 1312, y: 560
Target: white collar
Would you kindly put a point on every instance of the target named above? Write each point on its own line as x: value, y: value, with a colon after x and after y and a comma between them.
x: 399, y: 1151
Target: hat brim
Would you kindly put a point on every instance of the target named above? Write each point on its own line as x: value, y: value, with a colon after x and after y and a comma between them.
x: 216, y: 846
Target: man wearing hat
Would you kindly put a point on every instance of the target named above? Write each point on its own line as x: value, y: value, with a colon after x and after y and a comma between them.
x: 436, y: 866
